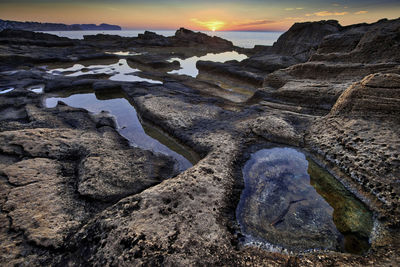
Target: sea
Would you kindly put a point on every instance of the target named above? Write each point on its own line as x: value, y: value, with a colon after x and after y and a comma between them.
x: 244, y: 39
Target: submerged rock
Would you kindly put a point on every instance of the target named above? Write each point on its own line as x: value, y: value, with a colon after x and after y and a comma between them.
x: 290, y: 203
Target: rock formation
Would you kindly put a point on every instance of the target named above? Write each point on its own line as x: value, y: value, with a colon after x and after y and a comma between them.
x: 37, y: 26
x: 73, y: 192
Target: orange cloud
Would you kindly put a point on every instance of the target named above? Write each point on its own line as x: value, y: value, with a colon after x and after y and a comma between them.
x: 255, y: 22
x: 360, y: 12
x: 327, y: 13
x: 294, y: 8
x: 295, y: 18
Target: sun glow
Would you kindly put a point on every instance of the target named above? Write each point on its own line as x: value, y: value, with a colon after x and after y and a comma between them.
x: 212, y: 25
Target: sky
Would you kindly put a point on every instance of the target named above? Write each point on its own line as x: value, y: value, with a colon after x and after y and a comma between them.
x: 219, y: 15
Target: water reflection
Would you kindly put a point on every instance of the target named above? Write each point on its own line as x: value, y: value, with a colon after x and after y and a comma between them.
x: 290, y: 202
x: 38, y: 89
x: 188, y: 66
x: 6, y: 90
x: 120, y: 71
x: 125, y: 53
x: 127, y: 120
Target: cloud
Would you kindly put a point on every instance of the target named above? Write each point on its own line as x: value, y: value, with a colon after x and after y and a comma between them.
x: 255, y: 22
x: 295, y: 18
x: 360, y: 12
x: 335, y: 4
x: 327, y: 13
x: 293, y: 8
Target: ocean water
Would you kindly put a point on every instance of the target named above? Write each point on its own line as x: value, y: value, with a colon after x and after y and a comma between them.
x: 242, y: 39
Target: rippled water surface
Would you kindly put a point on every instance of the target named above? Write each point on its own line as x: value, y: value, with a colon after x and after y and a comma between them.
x: 290, y: 202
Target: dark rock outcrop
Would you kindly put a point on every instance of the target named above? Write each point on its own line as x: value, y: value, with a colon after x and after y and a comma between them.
x: 38, y: 26
x: 293, y: 47
x: 364, y: 49
x: 185, y: 37
x: 302, y: 39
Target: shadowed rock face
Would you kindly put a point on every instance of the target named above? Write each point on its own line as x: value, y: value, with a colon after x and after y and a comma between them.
x: 364, y: 43
x: 185, y: 37
x: 303, y: 39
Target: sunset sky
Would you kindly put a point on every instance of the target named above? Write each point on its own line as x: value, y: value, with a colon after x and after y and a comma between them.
x: 253, y: 15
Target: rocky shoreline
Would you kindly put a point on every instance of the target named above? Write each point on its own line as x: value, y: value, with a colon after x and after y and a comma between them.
x: 37, y: 26
x: 74, y: 192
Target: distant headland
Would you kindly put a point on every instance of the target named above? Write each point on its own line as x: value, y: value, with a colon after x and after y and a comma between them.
x: 38, y: 26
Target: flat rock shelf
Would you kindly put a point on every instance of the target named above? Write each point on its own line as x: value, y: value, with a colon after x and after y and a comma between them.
x: 291, y: 203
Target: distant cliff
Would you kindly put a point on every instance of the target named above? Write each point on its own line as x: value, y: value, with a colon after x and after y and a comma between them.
x: 37, y: 26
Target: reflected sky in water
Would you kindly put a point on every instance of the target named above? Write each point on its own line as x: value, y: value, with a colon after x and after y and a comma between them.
x: 38, y: 89
x: 119, y: 71
x: 128, y: 122
x: 290, y: 202
x: 188, y: 66
x: 6, y: 90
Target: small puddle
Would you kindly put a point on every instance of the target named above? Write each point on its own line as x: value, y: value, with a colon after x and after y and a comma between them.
x: 125, y: 53
x: 188, y: 66
x: 120, y: 71
x: 6, y: 90
x: 291, y: 203
x: 38, y: 89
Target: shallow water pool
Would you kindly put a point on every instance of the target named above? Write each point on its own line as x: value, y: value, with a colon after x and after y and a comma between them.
x: 129, y: 125
x: 188, y: 65
x: 289, y: 202
x: 119, y: 71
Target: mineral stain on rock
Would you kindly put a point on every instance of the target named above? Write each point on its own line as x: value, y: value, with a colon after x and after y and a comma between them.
x: 289, y: 202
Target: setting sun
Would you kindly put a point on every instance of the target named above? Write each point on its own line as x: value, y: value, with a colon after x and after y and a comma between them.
x: 212, y: 25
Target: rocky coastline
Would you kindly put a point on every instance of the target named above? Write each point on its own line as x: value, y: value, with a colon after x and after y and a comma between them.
x: 38, y: 26
x: 75, y: 192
